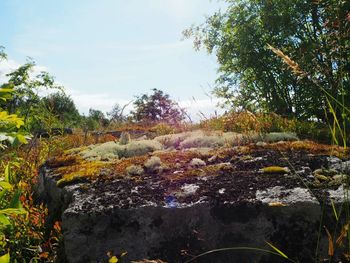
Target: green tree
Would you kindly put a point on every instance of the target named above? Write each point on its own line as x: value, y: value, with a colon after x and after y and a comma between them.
x: 26, y: 87
x: 157, y: 107
x: 314, y: 33
x: 99, y: 117
x: 62, y: 106
x: 2, y: 53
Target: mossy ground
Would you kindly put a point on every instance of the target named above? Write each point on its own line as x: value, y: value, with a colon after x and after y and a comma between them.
x: 72, y: 167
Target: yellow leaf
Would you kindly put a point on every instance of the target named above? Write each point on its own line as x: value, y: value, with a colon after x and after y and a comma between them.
x: 5, y: 258
x: 275, y: 169
x: 113, y: 259
x: 276, y: 204
x: 330, y: 243
x: 277, y: 250
x: 343, y: 234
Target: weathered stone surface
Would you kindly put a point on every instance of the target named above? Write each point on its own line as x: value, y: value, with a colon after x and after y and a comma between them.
x: 186, y: 210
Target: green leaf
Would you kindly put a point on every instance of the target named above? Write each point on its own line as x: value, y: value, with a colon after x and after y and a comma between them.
x: 2, y: 193
x: 4, y: 221
x: 5, y: 258
x: 21, y: 138
x: 277, y: 250
x: 5, y: 185
x: 13, y: 211
x: 7, y: 172
x: 16, y: 202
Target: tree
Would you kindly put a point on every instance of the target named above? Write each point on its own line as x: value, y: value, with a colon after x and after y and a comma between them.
x: 117, y: 113
x: 62, y: 106
x: 25, y: 99
x: 157, y: 107
x: 314, y: 33
x: 2, y: 53
x: 98, y: 116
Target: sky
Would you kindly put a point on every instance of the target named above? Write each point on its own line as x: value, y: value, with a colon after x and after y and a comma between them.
x: 109, y: 51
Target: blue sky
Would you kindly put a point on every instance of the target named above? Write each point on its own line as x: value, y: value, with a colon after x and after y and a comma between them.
x: 105, y: 52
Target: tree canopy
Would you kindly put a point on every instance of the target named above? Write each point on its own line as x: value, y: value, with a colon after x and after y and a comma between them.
x: 62, y: 106
x: 315, y: 34
x: 157, y: 107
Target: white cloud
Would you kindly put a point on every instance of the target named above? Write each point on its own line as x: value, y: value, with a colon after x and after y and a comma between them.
x: 200, y: 109
x: 196, y: 108
x: 7, y: 66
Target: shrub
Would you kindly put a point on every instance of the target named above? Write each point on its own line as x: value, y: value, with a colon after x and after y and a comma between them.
x: 162, y: 129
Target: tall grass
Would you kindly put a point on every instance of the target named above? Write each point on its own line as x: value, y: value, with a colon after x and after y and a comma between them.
x: 338, y: 128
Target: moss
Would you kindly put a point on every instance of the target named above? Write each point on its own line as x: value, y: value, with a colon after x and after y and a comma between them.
x: 81, y: 171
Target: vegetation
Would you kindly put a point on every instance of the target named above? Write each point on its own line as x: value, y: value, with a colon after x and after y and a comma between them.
x: 284, y: 74
x: 313, y: 33
x: 157, y: 107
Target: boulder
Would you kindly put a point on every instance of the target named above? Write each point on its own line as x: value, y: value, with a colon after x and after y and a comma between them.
x: 187, y: 210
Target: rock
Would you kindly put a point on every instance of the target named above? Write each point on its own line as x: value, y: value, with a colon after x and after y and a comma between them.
x: 160, y: 215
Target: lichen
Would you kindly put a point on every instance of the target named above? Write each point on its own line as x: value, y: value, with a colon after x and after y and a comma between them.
x: 113, y: 150
x: 135, y: 170
x: 196, y: 163
x: 153, y: 165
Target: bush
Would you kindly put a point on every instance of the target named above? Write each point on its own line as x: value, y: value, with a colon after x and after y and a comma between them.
x: 162, y: 129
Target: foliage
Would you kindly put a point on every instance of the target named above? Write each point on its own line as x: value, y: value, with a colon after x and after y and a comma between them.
x: 99, y: 117
x: 247, y: 122
x: 314, y: 33
x: 25, y: 97
x: 157, y: 107
x: 2, y: 53
x: 117, y: 113
x: 162, y: 129
x: 10, y: 123
x: 63, y: 107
